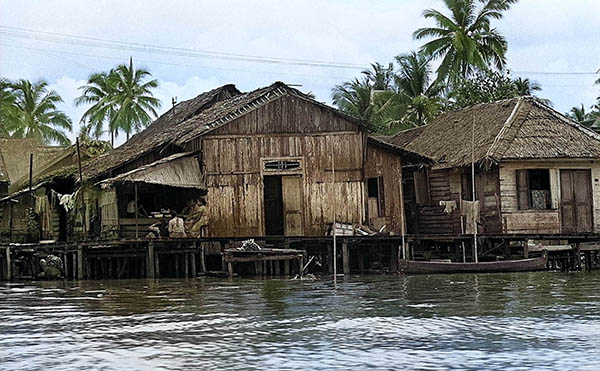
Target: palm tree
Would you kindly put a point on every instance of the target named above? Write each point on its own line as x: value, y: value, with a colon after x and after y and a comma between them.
x: 354, y: 98
x: 589, y: 119
x: 379, y: 76
x: 465, y: 40
x: 413, y: 81
x: 37, y: 115
x: 133, y: 98
x: 100, y: 93
x: 7, y: 107
x: 526, y: 88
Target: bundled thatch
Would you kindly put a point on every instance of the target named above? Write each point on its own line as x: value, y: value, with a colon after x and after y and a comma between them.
x: 192, y: 119
x: 15, y: 158
x: 3, y: 171
x: 408, y: 156
x: 179, y: 170
x: 518, y: 128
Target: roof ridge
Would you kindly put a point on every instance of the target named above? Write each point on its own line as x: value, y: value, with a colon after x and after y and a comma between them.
x: 500, y: 136
x: 568, y: 120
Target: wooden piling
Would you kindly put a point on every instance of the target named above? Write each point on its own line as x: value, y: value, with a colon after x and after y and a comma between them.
x: 330, y: 260
x: 286, y: 267
x: 193, y: 262
x: 79, y: 262
x: 7, y: 264
x: 346, y: 257
x: 156, y: 265
x: 202, y: 258
x: 150, y: 264
x: 230, y: 269
x: 186, y: 257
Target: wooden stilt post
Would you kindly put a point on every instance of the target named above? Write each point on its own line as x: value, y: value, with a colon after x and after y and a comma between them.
x: 394, y: 258
x: 74, y: 266
x: 286, y: 267
x: 346, y: 257
x: 150, y: 265
x: 193, y: 267
x: 7, y: 264
x: 136, y: 211
x: 156, y: 265
x: 65, y: 266
x: 330, y: 260
x: 230, y: 269
x: 187, y: 264
x: 361, y: 261
x: 79, y: 262
x: 258, y: 265
x: 176, y: 256
x: 202, y: 258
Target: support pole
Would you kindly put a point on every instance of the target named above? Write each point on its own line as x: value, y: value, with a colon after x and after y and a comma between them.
x: 150, y: 264
x: 334, y: 227
x: 230, y: 269
x: 202, y: 258
x: 193, y: 266
x: 346, y: 258
x: 7, y: 264
x: 136, y: 211
x: 84, y: 219
x: 473, y: 189
x: 79, y: 262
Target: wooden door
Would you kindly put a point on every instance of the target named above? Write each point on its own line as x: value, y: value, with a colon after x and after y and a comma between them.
x: 293, y: 205
x: 576, y: 201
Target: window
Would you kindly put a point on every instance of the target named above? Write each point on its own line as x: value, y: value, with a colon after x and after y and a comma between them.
x: 422, y: 187
x: 533, y: 189
x: 282, y: 165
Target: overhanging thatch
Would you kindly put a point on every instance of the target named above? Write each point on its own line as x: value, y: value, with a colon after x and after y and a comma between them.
x: 181, y: 170
x: 518, y: 128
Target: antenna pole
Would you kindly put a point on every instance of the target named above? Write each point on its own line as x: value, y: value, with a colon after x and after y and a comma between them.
x: 473, y: 189
x: 333, y: 210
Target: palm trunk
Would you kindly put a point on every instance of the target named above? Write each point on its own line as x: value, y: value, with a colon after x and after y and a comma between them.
x: 112, y: 138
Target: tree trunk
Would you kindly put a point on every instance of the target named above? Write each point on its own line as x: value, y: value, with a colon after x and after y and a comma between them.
x: 112, y: 138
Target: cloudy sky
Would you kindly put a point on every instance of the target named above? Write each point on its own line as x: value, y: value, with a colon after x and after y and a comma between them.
x: 554, y: 42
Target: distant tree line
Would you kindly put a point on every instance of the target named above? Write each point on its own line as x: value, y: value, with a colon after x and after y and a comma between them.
x: 471, y: 58
x: 121, y: 101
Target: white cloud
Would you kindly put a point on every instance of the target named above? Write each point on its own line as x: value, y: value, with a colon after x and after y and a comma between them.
x: 543, y: 35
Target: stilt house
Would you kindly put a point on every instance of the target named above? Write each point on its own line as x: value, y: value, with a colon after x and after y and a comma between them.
x: 537, y: 172
x: 267, y: 162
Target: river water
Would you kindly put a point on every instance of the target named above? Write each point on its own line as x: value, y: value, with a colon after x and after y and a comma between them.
x: 480, y: 322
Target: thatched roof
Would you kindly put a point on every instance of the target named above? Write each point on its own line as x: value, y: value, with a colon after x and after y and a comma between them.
x: 408, y: 156
x: 180, y: 170
x: 192, y: 119
x: 15, y: 157
x: 518, y: 128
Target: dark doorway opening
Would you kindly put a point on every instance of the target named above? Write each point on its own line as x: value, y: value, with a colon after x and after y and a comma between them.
x: 273, y: 197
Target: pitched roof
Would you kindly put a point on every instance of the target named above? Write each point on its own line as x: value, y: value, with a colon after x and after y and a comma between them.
x: 15, y: 157
x: 163, y: 131
x: 208, y: 113
x: 518, y: 128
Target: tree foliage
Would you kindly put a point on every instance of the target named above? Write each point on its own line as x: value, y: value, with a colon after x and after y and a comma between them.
x: 464, y: 39
x: 484, y: 87
x: 121, y: 100
x: 29, y: 110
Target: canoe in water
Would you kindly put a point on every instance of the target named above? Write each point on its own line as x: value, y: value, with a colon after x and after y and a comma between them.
x: 432, y: 267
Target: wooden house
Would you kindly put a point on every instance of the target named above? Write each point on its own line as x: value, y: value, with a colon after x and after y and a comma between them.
x: 537, y: 172
x: 272, y: 161
x: 52, y: 175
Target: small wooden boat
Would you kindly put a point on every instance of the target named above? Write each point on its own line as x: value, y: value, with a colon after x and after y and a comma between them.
x: 433, y: 267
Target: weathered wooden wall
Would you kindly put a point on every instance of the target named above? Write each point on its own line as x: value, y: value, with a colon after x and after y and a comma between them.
x: 285, y: 128
x: 542, y: 221
x: 383, y: 163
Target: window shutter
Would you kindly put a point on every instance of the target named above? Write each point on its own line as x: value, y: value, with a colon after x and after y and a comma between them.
x: 522, y: 189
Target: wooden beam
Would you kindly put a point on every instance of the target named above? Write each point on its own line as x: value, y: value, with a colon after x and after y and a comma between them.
x: 7, y: 264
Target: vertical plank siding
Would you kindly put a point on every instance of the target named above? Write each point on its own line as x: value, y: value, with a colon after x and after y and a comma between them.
x: 288, y: 127
x: 383, y: 163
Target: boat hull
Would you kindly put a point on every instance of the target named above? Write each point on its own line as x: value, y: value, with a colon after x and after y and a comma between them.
x: 429, y: 267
